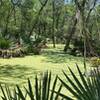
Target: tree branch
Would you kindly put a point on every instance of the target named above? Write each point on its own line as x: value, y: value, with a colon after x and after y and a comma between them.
x: 38, y: 17
x: 87, y: 18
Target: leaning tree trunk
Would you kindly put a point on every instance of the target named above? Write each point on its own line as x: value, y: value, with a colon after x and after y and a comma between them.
x: 37, y: 17
x: 71, y: 31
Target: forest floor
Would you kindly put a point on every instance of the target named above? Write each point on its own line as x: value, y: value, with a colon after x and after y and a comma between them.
x: 17, y: 70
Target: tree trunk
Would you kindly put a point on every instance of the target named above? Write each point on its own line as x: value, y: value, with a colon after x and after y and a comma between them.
x: 54, y: 42
x: 70, y: 32
x: 39, y: 13
x: 53, y: 25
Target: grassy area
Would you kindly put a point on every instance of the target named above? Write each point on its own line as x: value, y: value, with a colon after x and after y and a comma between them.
x: 17, y: 70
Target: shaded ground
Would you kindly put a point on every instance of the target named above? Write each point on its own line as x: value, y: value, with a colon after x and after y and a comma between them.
x: 15, y: 74
x: 59, y: 57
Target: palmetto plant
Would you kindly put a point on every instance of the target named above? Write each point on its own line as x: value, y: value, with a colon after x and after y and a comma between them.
x: 83, y: 88
x: 43, y: 90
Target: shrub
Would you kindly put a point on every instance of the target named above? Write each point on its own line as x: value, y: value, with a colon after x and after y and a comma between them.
x: 4, y: 44
x: 29, y: 49
x: 37, y: 50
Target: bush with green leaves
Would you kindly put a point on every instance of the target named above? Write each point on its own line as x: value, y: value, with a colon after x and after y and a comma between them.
x: 4, y: 43
x: 34, y: 45
x: 38, y: 44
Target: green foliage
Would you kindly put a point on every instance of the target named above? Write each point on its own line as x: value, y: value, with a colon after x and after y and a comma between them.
x: 35, y: 45
x: 37, y: 50
x: 83, y: 88
x: 42, y: 90
x: 29, y: 49
x: 4, y: 43
x: 37, y: 41
x: 25, y: 18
